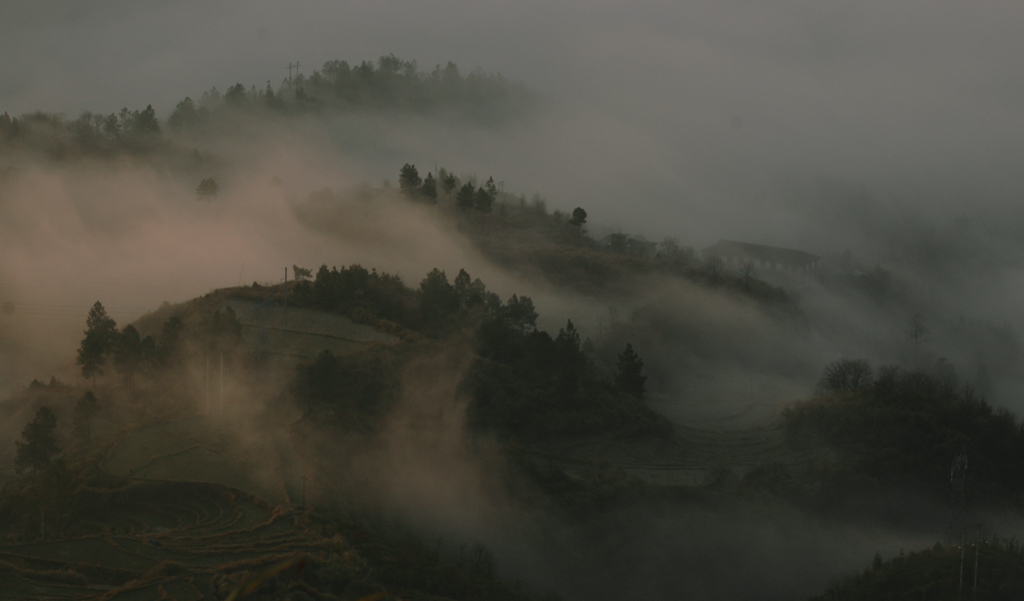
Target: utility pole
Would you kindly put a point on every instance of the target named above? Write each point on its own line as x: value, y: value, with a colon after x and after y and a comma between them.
x: 285, y: 275
x: 963, y: 544
x: 977, y: 554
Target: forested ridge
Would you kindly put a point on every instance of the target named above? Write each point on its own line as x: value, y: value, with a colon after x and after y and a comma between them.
x: 389, y: 85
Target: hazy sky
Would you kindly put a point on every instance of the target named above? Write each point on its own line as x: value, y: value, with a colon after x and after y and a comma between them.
x: 684, y: 110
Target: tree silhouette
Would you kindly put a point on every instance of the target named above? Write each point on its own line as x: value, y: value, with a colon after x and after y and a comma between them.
x: 99, y: 338
x: 171, y: 351
x: 483, y: 200
x: 429, y: 188
x: 629, y: 376
x: 570, y: 362
x: 916, y: 330
x: 521, y: 313
x: 448, y: 182
x: 129, y: 354
x: 38, y: 444
x: 579, y: 217
x: 207, y: 189
x: 466, y: 197
x: 409, y: 180
x: 846, y: 375
x: 748, y: 272
x: 145, y: 123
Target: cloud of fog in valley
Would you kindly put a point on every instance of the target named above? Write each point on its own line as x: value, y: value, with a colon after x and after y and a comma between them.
x: 888, y: 131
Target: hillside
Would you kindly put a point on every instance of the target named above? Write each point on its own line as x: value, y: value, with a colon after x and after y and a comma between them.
x: 992, y: 569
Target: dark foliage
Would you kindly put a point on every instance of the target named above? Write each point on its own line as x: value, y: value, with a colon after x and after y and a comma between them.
x: 100, y: 339
x: 905, y: 428
x: 846, y: 375
x: 38, y: 444
x: 361, y: 294
x: 409, y: 181
x: 353, y: 388
x: 525, y: 383
x: 936, y: 574
x: 207, y: 188
x: 629, y: 376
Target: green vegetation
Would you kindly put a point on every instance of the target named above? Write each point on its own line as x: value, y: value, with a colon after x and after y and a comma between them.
x: 904, y: 428
x: 38, y: 445
x: 524, y: 384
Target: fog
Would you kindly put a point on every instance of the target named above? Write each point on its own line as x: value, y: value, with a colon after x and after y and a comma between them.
x: 866, y: 133
x: 714, y: 116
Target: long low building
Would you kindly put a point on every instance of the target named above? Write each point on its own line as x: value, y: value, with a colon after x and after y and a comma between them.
x: 761, y: 256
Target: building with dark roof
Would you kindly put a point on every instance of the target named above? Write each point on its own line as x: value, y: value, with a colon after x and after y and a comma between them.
x: 765, y: 258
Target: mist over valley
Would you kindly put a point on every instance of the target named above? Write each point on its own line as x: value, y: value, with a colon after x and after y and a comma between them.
x: 712, y: 302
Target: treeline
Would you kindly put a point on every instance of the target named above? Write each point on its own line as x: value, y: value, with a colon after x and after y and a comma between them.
x: 525, y: 383
x: 905, y: 428
x: 523, y: 234
x: 89, y: 134
x: 435, y: 308
x: 939, y: 573
x: 390, y: 84
x: 132, y: 354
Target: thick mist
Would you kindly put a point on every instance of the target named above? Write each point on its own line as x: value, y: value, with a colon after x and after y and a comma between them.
x: 872, y: 135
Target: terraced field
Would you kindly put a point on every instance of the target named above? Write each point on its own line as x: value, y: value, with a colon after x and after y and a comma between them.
x: 299, y: 332
x: 159, y: 540
x: 206, y: 449
x: 693, y: 455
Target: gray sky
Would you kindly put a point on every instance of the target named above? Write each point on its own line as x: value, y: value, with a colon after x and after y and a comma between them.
x: 688, y: 111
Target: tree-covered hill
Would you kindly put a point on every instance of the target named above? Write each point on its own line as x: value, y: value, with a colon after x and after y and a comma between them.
x: 905, y: 430
x: 943, y: 572
x: 390, y: 85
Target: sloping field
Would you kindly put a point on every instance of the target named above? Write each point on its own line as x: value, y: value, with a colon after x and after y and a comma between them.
x: 199, y: 464
x: 204, y: 449
x: 689, y: 458
x: 301, y: 332
x: 216, y: 532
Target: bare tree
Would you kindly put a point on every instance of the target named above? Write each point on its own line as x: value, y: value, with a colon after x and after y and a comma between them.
x: 916, y: 331
x: 748, y: 272
x: 846, y: 375
x: 714, y: 268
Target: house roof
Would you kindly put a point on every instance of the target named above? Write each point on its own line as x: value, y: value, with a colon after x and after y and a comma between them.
x: 761, y: 252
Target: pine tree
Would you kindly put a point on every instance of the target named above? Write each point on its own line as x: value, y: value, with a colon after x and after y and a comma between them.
x: 38, y: 444
x: 630, y: 378
x: 128, y: 354
x: 100, y: 335
x: 409, y: 180
x: 466, y: 197
x: 429, y: 189
x: 483, y: 200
